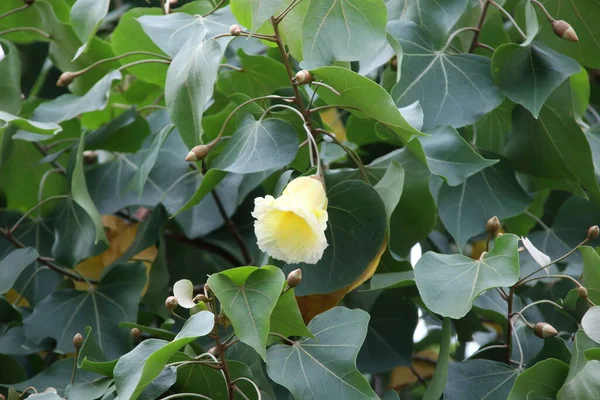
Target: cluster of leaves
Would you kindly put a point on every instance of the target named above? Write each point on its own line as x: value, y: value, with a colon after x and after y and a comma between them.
x: 427, y: 119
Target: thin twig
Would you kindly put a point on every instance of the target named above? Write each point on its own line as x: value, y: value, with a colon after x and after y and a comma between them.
x: 146, y: 61
x: 317, y: 109
x: 54, y: 163
x: 285, y: 12
x: 14, y: 10
x: 540, y: 302
x: 484, y: 10
x: 35, y: 207
x: 355, y: 159
x: 26, y: 29
x: 327, y: 86
x: 214, y: 9
x: 242, y: 378
x: 288, y: 341
x: 540, y: 5
x: 233, y: 67
x: 510, y: 18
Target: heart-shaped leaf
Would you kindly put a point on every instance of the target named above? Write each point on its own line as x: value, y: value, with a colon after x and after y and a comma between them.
x: 448, y: 283
x: 481, y: 379
x: 13, y: 264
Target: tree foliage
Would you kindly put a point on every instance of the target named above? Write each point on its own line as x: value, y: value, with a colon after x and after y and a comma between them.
x: 162, y: 237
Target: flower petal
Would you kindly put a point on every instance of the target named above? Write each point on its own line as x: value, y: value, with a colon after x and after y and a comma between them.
x: 306, y: 192
x: 539, y: 257
x: 183, y: 290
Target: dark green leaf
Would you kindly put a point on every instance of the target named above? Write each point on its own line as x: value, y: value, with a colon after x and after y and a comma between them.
x: 67, y: 312
x: 544, y: 379
x: 453, y: 90
x: 286, y: 318
x: 305, y: 368
x: 125, y: 134
x: 254, y: 14
x: 583, y: 380
x: 353, y: 206
x: 88, y: 390
x: 246, y: 355
x: 248, y: 296
x: 86, y: 16
x: 450, y: 156
x: 138, y: 368
x: 591, y: 272
x: 435, y: 17
x: 554, y: 347
x: 47, y: 128
x: 10, y: 70
x: 438, y: 382
x: 92, y: 358
x: 13, y: 264
x: 479, y: 379
x: 348, y: 30
x: 465, y: 209
x: 529, y: 74
x: 371, y: 99
x: 448, y: 284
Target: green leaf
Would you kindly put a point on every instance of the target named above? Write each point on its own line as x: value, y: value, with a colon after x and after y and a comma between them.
x: 286, y: 318
x: 479, y: 379
x: 389, y: 341
x: 591, y: 323
x: 528, y: 75
x: 465, y: 209
x: 543, y: 379
x: 47, y: 128
x: 259, y: 76
x: 92, y: 358
x: 582, y: 382
x: 560, y: 148
x: 353, y: 206
x: 435, y: 17
x: 305, y: 368
x: 591, y: 272
x: 345, y: 30
x: 453, y: 89
x: 86, y: 16
x: 390, y: 187
x: 490, y: 132
x: 371, y: 99
x: 581, y: 15
x: 67, y: 312
x: 438, y: 382
x: 255, y: 12
x: 10, y: 70
x: 448, y: 284
x: 140, y: 177
x: 138, y: 368
x: 554, y: 347
x: 450, y: 156
x: 88, y: 390
x: 126, y: 134
x: 13, y: 264
x: 81, y: 196
x: 129, y: 27
x: 69, y: 106
x: 190, y: 84
x: 248, y: 296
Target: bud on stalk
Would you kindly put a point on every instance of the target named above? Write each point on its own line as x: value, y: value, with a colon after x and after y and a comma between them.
x: 136, y: 334
x: 77, y: 341
x: 198, y: 152
x: 66, y: 79
x: 582, y: 292
x: 593, y: 232
x: 235, y: 30
x: 303, y: 77
x: 294, y: 278
x: 544, y: 330
x: 564, y: 30
x: 493, y: 225
x: 171, y: 302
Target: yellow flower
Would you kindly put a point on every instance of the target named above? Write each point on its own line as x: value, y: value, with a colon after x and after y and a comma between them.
x: 292, y: 227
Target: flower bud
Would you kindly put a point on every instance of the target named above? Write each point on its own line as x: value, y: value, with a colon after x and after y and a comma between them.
x: 171, y: 302
x: 593, y: 232
x: 583, y: 292
x: 235, y: 30
x: 50, y: 389
x: 294, y: 278
x: 90, y: 157
x: 394, y: 63
x: 66, y: 79
x: 493, y: 226
x: 564, y: 30
x: 544, y: 330
x: 200, y: 298
x: 303, y: 77
x: 198, y: 152
x: 78, y: 341
x: 136, y: 334
x: 2, y: 397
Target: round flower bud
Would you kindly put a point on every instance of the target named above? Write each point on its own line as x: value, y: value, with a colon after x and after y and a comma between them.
x: 171, y: 302
x: 583, y: 292
x: 2, y: 397
x: 78, y: 341
x: 564, y: 30
x: 65, y: 79
x: 303, y: 77
x: 200, y: 298
x: 294, y: 278
x: 394, y: 63
x: 136, y: 334
x: 493, y: 226
x: 544, y: 330
x: 50, y: 389
x: 593, y: 232
x: 198, y: 153
x: 235, y: 30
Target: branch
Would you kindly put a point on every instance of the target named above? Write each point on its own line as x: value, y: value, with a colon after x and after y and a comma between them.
x: 23, y: 7
x: 232, y: 228
x: 26, y: 29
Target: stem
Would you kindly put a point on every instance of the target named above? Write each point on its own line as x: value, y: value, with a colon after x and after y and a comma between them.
x: 540, y: 5
x: 181, y: 395
x: 316, y: 109
x: 233, y: 67
x: 26, y: 29
x: 485, y: 46
x: 355, y: 159
x: 529, y: 324
x: 41, y: 79
x: 26, y: 285
x: 74, y: 365
x: 480, y: 23
x: 520, y: 351
x: 288, y: 341
x: 540, y: 302
x: 285, y: 12
x: 66, y: 272
x: 456, y: 33
x: 269, y: 38
x: 214, y: 9
x: 282, y: 106
x: 147, y: 61
x: 510, y: 18
x: 232, y: 228
x: 225, y: 367
x: 54, y: 163
x: 521, y: 281
x: 32, y: 209
x: 116, y: 58
x: 242, y: 378
x: 327, y: 86
x: 509, y: 327
x: 23, y: 7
